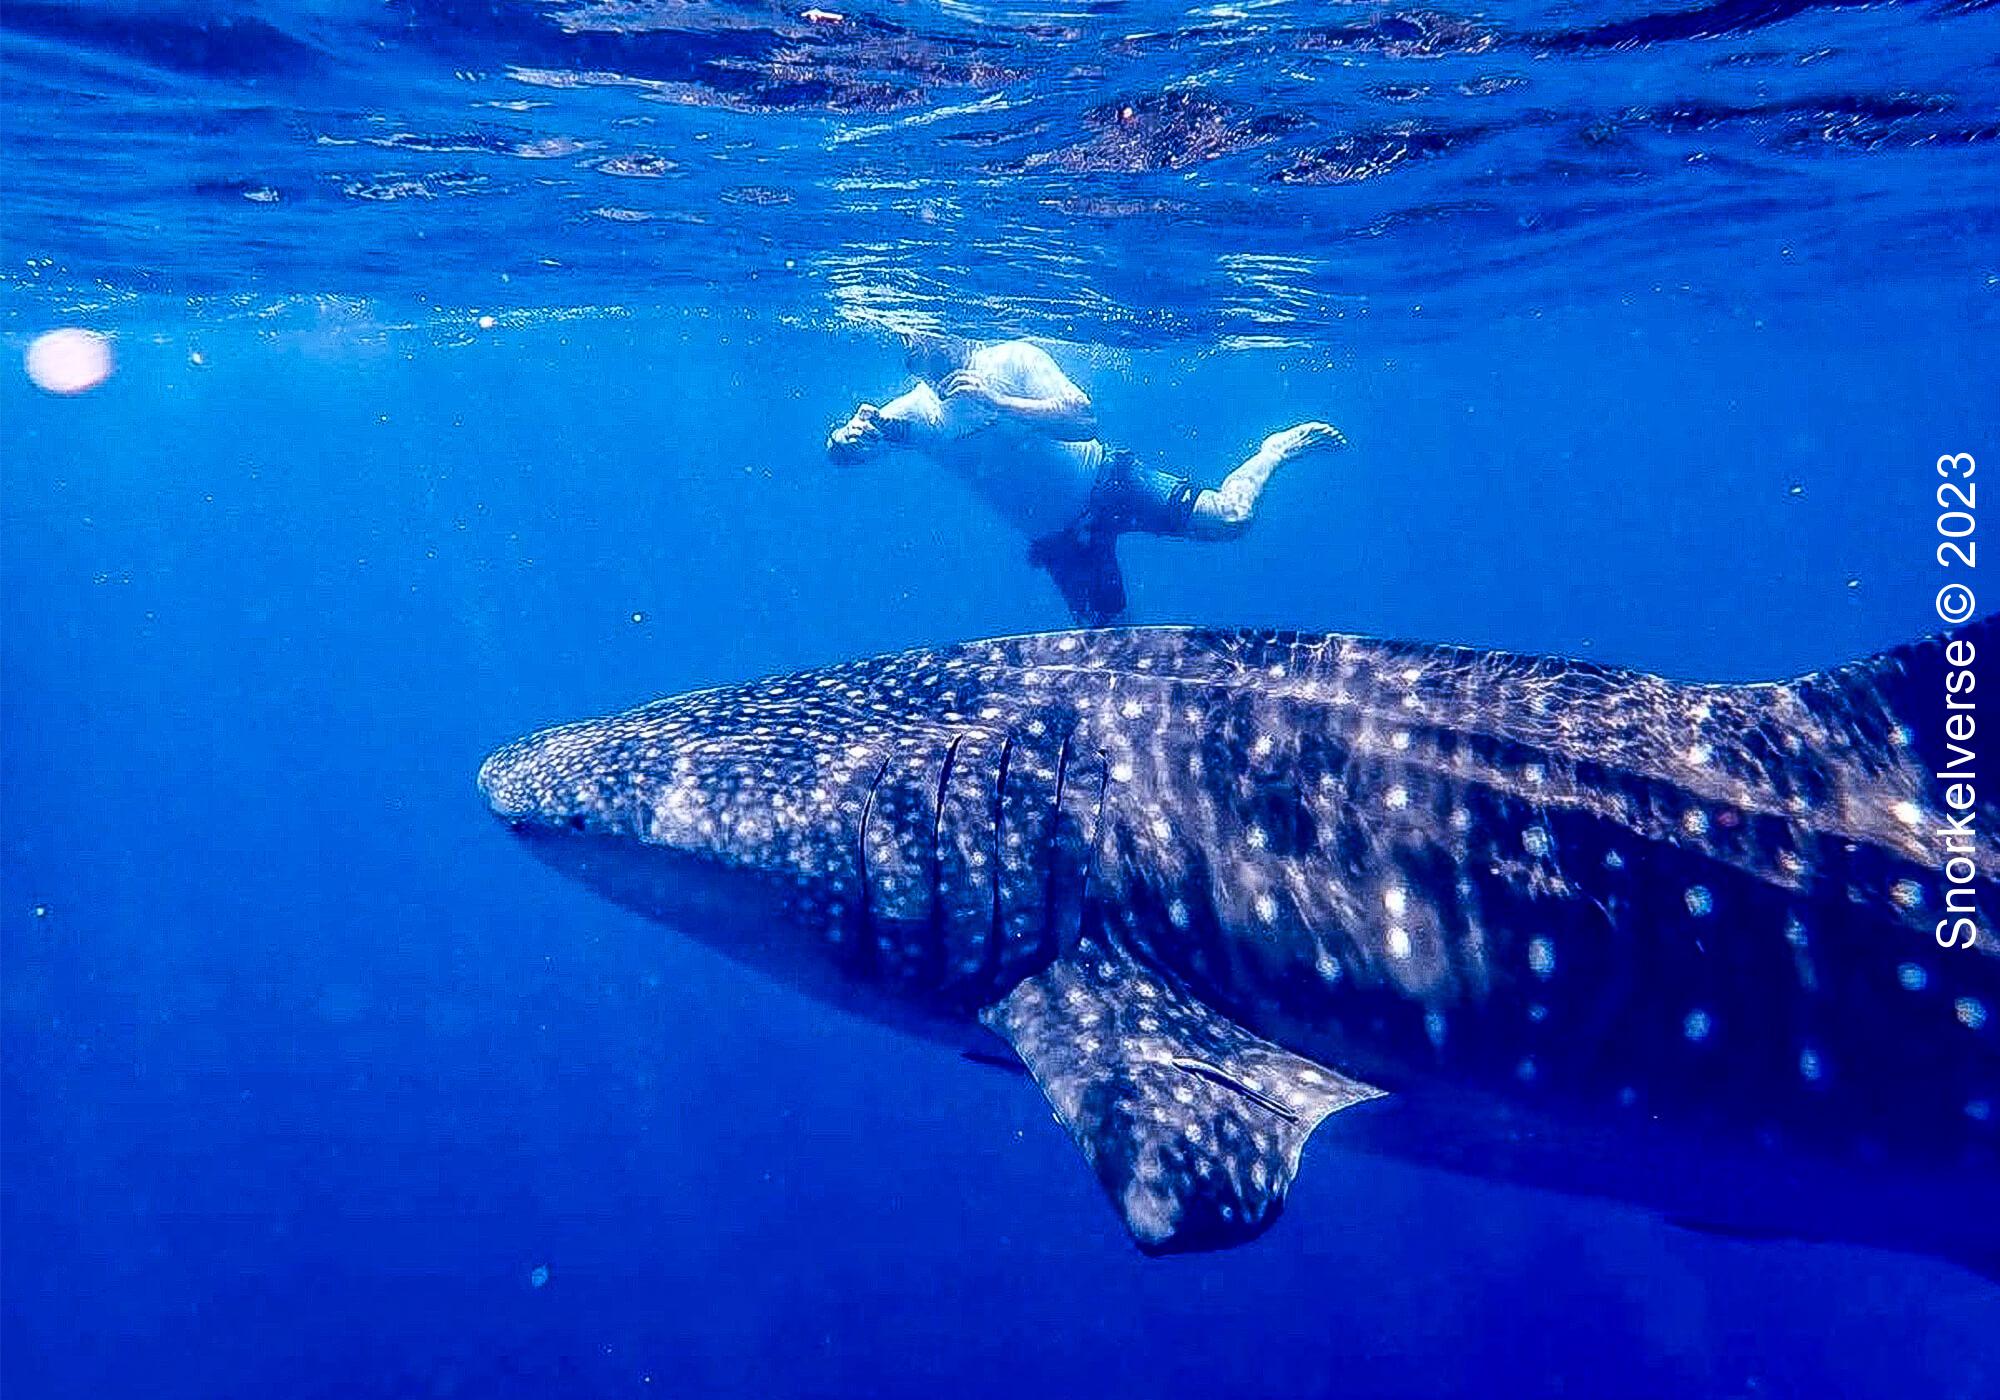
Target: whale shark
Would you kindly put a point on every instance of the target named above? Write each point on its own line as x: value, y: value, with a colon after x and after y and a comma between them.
x: 1718, y: 950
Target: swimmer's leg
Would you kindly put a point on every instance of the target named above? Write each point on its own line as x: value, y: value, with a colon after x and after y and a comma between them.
x: 1225, y: 511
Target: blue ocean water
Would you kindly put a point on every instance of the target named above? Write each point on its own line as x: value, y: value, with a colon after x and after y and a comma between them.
x: 472, y: 368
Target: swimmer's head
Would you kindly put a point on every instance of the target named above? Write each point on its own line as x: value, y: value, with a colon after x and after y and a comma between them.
x: 933, y: 357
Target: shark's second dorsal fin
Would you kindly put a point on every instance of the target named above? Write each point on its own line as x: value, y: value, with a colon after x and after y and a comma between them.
x: 1193, y: 1124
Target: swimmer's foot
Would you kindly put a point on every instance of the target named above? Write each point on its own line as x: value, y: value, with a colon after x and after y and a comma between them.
x: 1305, y: 438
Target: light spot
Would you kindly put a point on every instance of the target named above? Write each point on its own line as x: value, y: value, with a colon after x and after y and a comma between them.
x: 1132, y: 709
x: 1411, y: 674
x: 1262, y: 748
x: 1395, y: 899
x: 1397, y: 798
x: 1698, y: 755
x: 1328, y: 966
x: 1399, y: 942
x: 68, y: 361
x: 1534, y: 774
x: 1696, y: 1025
x: 1434, y: 1027
x: 1971, y: 1012
x: 1627, y: 1096
x: 1400, y: 740
x: 1810, y: 1068
x: 1907, y: 894
x: 1542, y: 958
x: 1912, y: 978
x: 1613, y: 861
x: 1526, y: 1071
x: 1536, y: 841
x: 538, y: 1275
x: 1256, y: 838
x: 1461, y: 819
x: 1537, y: 1012
x: 1162, y: 828
x: 1694, y: 822
x: 1700, y: 902
x: 1979, y: 1110
x: 1908, y: 813
x: 1121, y: 772
x: 1267, y: 908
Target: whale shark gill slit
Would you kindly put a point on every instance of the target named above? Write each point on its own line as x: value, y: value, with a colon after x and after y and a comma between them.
x: 934, y: 933
x: 865, y: 952
x: 989, y: 971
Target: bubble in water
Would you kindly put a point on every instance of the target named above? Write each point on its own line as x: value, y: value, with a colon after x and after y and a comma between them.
x: 538, y: 1276
x: 69, y: 361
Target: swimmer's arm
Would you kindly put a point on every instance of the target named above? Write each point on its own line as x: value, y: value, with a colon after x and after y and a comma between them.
x: 912, y: 412
x: 1066, y: 415
x: 897, y: 423
x: 1023, y: 382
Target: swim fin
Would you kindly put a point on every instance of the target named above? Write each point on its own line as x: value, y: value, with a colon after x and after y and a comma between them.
x: 1084, y: 564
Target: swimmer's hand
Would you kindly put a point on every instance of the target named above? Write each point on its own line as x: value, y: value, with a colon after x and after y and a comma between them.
x: 1067, y: 418
x: 858, y: 439
x: 966, y: 386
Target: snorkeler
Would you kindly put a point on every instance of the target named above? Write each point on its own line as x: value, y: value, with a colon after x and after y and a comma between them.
x: 1010, y: 422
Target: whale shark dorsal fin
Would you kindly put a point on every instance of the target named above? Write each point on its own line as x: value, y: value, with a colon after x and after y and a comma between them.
x: 1193, y: 1124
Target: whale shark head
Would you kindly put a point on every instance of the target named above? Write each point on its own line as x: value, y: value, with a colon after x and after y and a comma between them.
x: 720, y: 813
x: 713, y: 777
x: 900, y: 822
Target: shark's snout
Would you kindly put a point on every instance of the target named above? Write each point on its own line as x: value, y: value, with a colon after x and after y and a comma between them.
x: 506, y: 782
x: 548, y: 779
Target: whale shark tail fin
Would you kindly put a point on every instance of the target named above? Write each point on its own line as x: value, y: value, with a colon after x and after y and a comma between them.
x: 1193, y: 1125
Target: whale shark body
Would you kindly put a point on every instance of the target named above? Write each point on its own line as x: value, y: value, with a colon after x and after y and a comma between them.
x: 1692, y: 946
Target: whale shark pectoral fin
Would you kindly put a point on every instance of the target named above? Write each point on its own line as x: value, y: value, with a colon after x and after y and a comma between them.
x: 1193, y: 1124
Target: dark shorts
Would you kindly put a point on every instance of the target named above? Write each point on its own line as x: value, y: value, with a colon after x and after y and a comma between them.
x: 1129, y: 497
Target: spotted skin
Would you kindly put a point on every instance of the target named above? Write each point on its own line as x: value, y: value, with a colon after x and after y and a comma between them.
x: 1589, y: 894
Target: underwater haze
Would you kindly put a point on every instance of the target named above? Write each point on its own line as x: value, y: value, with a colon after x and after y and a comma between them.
x: 471, y: 370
